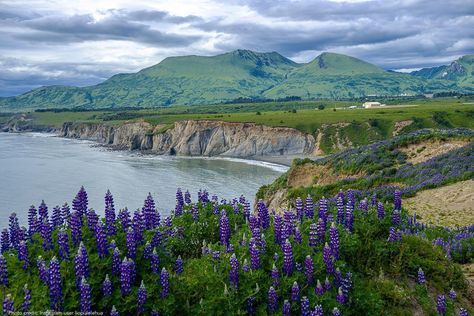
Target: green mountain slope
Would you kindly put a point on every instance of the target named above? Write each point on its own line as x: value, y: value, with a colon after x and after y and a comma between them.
x: 193, y: 80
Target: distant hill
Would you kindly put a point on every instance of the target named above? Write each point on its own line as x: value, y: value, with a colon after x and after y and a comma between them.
x: 193, y: 80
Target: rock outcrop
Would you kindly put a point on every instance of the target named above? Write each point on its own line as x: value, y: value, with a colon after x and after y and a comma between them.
x: 197, y: 138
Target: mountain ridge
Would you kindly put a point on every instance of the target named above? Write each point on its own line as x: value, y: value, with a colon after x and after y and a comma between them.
x: 196, y: 80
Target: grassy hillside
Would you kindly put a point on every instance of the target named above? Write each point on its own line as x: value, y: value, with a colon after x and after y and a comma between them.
x: 241, y: 74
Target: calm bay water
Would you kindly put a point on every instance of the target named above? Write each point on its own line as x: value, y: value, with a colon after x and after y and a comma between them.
x: 38, y: 166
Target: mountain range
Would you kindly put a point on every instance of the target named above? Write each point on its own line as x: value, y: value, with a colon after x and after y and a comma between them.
x: 244, y: 74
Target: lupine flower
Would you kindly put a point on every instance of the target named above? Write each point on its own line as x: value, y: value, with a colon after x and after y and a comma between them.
x: 178, y: 211
x: 85, y: 297
x: 318, y: 311
x: 81, y: 262
x: 8, y: 305
x: 336, y: 312
x: 32, y: 221
x: 309, y: 269
x: 187, y: 197
x: 305, y: 306
x: 328, y: 259
x: 272, y: 300
x: 340, y: 298
x: 338, y: 277
x: 309, y: 207
x: 107, y: 287
x: 5, y: 241
x: 130, y: 242
x: 287, y: 258
x: 23, y: 255
x: 250, y: 305
x: 327, y: 284
x: 321, y: 230
x: 286, y: 308
x: 43, y: 212
x: 195, y: 213
x: 55, y: 287
x: 3, y: 271
x: 313, y: 235
x: 116, y: 261
x: 179, y: 265
x: 156, y: 239
x: 114, y: 312
x: 164, y: 281
x: 397, y: 200
x: 288, y: 219
x: 463, y: 312
x: 80, y: 202
x: 254, y: 256
x: 224, y: 229
x: 396, y: 219
x: 76, y: 227
x: 299, y: 209
x: 263, y: 216
x: 63, y: 242
x: 14, y: 230
x: 349, y: 217
x: 380, y: 210
x: 92, y: 219
x: 138, y: 226
x: 347, y: 284
x: 234, y: 271
x: 43, y: 270
x: 295, y: 292
x: 124, y: 217
x: 25, y: 305
x: 56, y: 218
x: 125, y: 277
x: 278, y: 226
x: 101, y: 241
x: 275, y: 276
x: 393, y: 235
x: 441, y: 305
x: 340, y: 210
x: 452, y: 294
x: 420, y: 279
x: 298, y: 238
x: 155, y: 262
x: 334, y: 240
x: 319, y: 290
x: 46, y: 236
x: 132, y: 269
x: 323, y: 210
x: 246, y: 266
x: 66, y: 213
x: 109, y: 214
x: 351, y: 198
x: 142, y: 296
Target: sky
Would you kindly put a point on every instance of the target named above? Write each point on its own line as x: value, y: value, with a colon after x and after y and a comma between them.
x: 83, y: 42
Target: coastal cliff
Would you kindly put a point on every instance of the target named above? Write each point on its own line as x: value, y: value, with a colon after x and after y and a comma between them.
x: 197, y: 138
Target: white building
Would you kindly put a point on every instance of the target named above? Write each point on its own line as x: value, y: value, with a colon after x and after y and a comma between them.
x: 369, y: 105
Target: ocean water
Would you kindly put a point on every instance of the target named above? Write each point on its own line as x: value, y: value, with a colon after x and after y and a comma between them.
x: 37, y: 166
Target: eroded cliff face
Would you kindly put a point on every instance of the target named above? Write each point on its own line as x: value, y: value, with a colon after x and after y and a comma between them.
x: 198, y: 138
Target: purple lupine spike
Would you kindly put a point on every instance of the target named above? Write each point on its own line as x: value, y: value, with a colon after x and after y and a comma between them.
x: 334, y: 240
x: 349, y: 223
x: 338, y: 277
x: 46, y: 236
x: 272, y: 300
x: 340, y: 210
x: 23, y: 255
x: 336, y: 312
x: 142, y: 297
x: 393, y: 235
x: 234, y: 271
x: 195, y: 213
x: 63, y: 242
x: 81, y: 262
x: 14, y: 230
x: 26, y: 304
x: 107, y: 287
x: 55, y: 287
x: 149, y: 213
x: 156, y: 239
x: 309, y: 207
x: 224, y: 229
x: 286, y: 308
x: 254, y: 256
x: 246, y: 266
x: 5, y: 241
x: 328, y: 259
x: 263, y: 217
x: 287, y: 258
x: 165, y: 283
x: 187, y: 197
x: 80, y: 202
x: 113, y: 311
x: 109, y: 214
x: 323, y: 209
x: 263, y: 243
x: 133, y: 270
x: 278, y: 226
x: 43, y: 212
x: 420, y: 278
x: 340, y: 298
x: 441, y: 304
x: 155, y: 262
x: 246, y: 211
x: 275, y: 276
x: 321, y: 231
x: 299, y: 209
x: 179, y: 265
x: 85, y: 297
x: 76, y: 228
x: 92, y: 219
x: 130, y: 242
x: 32, y: 221
x: 124, y: 217
x: 318, y: 311
x: 313, y: 235
x: 216, y: 255
x: 66, y: 212
x: 3, y: 271
x: 295, y: 292
x: 319, y: 290
x: 380, y: 210
x: 309, y: 269
x: 305, y: 306
x: 125, y: 277
x: 298, y: 238
x: 236, y: 208
x: 396, y: 218
x: 101, y: 241
x: 43, y: 270
x: 178, y: 211
x: 138, y: 226
x: 347, y: 285
x: 253, y: 222
x: 116, y: 262
x: 327, y: 284
x: 364, y: 206
x: 8, y: 305
x: 288, y: 220
x: 351, y: 198
x: 147, y: 250
x: 463, y: 312
x: 397, y: 200
x: 452, y: 294
x: 250, y: 306
x: 56, y: 218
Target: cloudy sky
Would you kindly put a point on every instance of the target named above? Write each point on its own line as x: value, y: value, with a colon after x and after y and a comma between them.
x: 83, y: 42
